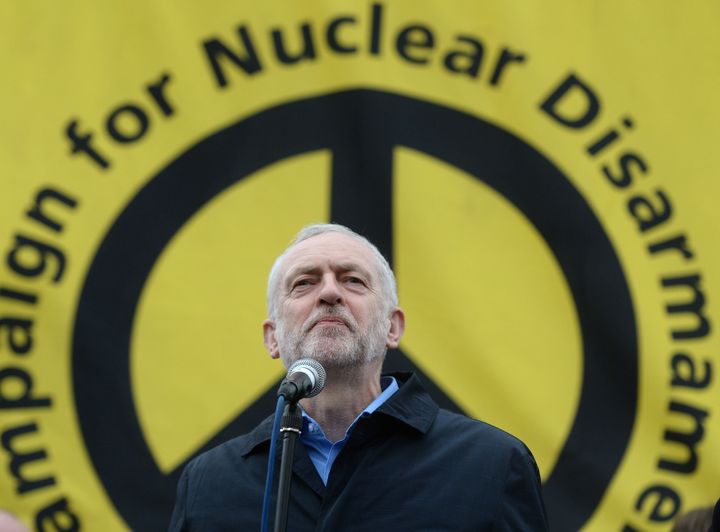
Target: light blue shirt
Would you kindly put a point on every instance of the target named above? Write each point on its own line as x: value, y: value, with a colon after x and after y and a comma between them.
x: 323, y: 452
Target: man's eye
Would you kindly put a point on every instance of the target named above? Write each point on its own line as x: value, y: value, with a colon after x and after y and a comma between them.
x: 301, y: 283
x: 353, y: 280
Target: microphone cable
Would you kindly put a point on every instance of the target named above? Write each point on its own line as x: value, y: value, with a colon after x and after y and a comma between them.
x: 271, y: 462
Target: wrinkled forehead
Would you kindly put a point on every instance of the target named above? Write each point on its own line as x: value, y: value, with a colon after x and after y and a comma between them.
x: 341, y: 251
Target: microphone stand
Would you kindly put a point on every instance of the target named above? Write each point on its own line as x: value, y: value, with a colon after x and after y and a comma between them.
x: 291, y: 425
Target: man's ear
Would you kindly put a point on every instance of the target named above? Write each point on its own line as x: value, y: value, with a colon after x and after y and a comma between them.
x: 397, y: 327
x: 270, y: 340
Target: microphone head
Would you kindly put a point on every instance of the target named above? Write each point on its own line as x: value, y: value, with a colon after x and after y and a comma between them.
x: 314, y: 370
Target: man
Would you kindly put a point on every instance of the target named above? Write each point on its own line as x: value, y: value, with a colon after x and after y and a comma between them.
x: 377, y: 454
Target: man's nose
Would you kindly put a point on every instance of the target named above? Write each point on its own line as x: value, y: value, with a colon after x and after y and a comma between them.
x: 330, y: 291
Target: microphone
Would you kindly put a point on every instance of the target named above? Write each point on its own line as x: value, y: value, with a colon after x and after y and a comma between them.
x: 305, y: 378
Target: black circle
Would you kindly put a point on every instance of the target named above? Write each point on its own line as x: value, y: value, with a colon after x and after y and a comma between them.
x: 360, y: 126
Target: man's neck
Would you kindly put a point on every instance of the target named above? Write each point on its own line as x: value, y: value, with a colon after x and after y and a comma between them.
x: 347, y: 392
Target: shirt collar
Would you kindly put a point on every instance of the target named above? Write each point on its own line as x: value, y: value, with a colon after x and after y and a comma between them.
x: 389, y: 386
x: 410, y: 405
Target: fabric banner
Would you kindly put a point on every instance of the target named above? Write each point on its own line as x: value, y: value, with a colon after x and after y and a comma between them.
x: 539, y: 174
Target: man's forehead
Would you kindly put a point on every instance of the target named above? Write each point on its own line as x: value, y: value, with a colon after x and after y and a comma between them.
x: 329, y: 242
x: 339, y: 265
x: 343, y: 251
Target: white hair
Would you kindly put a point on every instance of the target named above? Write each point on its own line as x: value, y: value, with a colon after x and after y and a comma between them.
x: 387, y: 277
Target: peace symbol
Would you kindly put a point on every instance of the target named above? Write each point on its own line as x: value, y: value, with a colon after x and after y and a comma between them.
x: 361, y: 128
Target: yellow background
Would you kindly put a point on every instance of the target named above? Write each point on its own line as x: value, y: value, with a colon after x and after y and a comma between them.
x: 81, y: 59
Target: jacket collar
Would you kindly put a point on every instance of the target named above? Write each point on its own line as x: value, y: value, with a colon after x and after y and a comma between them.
x: 410, y: 405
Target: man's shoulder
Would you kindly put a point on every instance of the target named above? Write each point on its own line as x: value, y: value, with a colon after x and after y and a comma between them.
x: 227, y: 477
x: 414, y: 406
x: 234, y: 450
x: 485, y: 446
x: 465, y: 430
x: 453, y: 420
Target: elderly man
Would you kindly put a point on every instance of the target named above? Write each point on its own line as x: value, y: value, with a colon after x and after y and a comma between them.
x: 377, y: 453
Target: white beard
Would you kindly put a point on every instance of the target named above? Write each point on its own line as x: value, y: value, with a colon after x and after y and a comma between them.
x: 335, y: 346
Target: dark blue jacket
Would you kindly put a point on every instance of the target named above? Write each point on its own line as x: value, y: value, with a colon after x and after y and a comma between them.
x: 408, y: 466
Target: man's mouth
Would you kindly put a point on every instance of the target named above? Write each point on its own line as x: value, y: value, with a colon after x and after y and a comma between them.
x: 329, y: 321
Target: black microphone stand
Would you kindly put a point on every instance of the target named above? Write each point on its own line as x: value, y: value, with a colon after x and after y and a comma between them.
x: 290, y: 429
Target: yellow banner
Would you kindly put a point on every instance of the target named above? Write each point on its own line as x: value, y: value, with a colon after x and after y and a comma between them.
x: 539, y: 175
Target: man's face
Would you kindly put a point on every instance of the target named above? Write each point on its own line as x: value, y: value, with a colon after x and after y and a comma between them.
x: 330, y: 305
